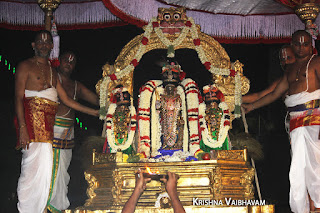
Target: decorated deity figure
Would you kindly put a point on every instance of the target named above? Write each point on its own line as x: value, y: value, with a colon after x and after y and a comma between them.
x: 214, y: 120
x: 171, y: 119
x: 168, y: 113
x: 120, y: 122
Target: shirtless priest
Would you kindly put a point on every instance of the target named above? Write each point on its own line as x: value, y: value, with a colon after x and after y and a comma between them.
x: 302, y: 82
x: 36, y: 101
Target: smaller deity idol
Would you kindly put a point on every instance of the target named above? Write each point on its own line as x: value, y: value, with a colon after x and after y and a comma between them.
x: 214, y: 120
x: 120, y: 122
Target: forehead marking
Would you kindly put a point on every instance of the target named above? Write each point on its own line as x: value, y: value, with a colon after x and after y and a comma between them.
x: 70, y: 58
x: 301, y: 39
x: 284, y: 53
x: 44, y: 36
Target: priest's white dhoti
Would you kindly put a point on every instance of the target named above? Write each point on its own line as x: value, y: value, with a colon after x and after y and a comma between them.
x: 305, y: 165
x: 35, y: 178
x: 63, y: 143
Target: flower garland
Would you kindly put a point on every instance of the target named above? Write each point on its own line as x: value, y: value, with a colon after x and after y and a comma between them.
x: 192, y: 91
x: 110, y: 125
x: 224, y: 126
x: 154, y: 25
x: 144, y: 115
x: 216, y: 70
x: 151, y: 91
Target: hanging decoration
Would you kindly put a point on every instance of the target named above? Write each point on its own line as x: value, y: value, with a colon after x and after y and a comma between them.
x: 69, y: 16
x: 54, y: 55
x: 231, y: 27
x: 307, y: 11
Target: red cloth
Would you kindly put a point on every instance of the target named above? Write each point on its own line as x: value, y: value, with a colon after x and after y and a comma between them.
x: 39, y: 116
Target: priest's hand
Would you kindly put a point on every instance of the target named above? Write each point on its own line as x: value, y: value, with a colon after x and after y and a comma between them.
x: 24, y: 137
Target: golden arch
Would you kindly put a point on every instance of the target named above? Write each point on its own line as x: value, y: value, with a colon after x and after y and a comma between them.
x: 213, y: 51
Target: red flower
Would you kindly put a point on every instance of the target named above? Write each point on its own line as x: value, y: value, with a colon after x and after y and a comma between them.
x: 144, y: 40
x: 134, y: 62
x: 188, y: 24
x: 232, y: 73
x: 113, y: 77
x: 226, y: 123
x: 155, y: 24
x: 220, y: 95
x: 182, y: 75
x: 200, y: 98
x: 113, y: 98
x: 207, y: 65
x: 196, y: 41
x: 54, y: 63
x: 226, y: 111
x: 146, y: 144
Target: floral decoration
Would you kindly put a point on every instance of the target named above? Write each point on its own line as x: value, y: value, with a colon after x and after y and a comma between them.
x: 224, y: 126
x: 190, y: 26
x: 110, y: 125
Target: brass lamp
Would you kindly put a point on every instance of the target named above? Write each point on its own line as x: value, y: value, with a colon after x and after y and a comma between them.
x: 48, y: 6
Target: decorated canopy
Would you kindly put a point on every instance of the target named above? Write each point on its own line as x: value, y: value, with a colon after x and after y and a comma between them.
x: 232, y: 21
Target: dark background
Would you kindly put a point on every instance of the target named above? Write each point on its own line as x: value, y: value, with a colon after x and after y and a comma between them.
x: 96, y: 47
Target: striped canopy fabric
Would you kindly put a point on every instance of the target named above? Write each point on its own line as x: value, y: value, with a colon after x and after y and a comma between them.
x: 227, y: 20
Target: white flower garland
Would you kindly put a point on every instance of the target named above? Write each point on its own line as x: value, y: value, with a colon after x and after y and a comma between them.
x: 216, y: 70
x: 223, y: 131
x: 155, y: 122
x: 103, y: 95
x: 144, y: 115
x: 110, y: 126
x: 237, y: 95
x: 192, y: 103
x: 142, y: 48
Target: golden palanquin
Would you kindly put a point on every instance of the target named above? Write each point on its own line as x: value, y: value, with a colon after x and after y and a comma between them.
x: 229, y: 176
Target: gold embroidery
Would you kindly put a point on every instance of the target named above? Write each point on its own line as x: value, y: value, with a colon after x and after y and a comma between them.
x: 63, y: 122
x: 308, y: 120
x: 42, y: 114
x: 63, y: 144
